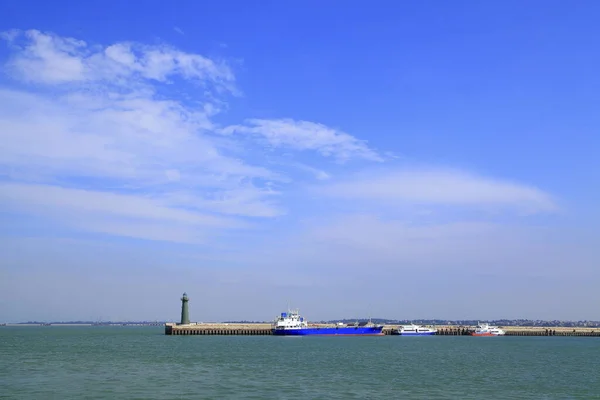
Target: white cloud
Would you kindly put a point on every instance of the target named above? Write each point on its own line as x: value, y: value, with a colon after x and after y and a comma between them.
x: 242, y: 200
x: 51, y: 59
x: 287, y: 161
x: 111, y: 145
x: 441, y: 187
x: 178, y: 30
x: 108, y: 129
x: 318, y: 174
x: 304, y: 135
x: 350, y: 241
x: 126, y: 141
x: 107, y: 140
x: 87, y: 201
x: 126, y: 215
x: 128, y: 137
x: 108, y: 137
x: 341, y: 248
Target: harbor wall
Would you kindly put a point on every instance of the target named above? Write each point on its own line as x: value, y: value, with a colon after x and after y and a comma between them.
x: 446, y: 330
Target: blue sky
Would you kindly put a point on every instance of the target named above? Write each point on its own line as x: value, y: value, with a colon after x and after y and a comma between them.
x: 432, y: 160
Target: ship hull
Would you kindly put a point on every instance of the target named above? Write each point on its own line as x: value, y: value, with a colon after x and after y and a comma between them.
x: 487, y: 334
x: 337, y: 331
x: 418, y: 334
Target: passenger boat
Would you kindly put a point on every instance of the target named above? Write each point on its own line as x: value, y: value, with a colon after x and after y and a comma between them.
x: 487, y: 330
x: 292, y: 324
x: 415, y: 330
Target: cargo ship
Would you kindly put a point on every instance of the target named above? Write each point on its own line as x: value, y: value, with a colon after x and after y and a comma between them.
x: 292, y: 324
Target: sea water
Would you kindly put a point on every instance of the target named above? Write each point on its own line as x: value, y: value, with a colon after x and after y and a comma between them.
x: 142, y: 363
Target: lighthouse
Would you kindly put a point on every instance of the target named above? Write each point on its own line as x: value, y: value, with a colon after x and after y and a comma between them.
x: 185, y: 314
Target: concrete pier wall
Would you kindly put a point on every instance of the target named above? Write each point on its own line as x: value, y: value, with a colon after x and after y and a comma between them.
x: 265, y: 329
x: 218, y: 329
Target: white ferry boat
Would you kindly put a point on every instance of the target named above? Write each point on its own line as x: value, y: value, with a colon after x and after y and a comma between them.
x: 416, y: 330
x: 487, y: 330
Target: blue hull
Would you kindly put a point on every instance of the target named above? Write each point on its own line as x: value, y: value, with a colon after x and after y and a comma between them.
x: 339, y: 331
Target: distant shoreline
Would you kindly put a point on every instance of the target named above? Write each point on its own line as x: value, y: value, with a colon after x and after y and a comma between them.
x: 83, y: 324
x: 525, y: 324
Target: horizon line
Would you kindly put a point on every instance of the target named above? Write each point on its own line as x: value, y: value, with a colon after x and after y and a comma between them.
x: 162, y: 321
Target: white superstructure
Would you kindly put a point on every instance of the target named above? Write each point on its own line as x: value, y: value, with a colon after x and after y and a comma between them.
x: 484, y: 329
x: 416, y: 330
x: 289, y: 320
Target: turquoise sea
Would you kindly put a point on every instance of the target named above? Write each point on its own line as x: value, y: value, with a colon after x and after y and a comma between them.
x: 142, y: 363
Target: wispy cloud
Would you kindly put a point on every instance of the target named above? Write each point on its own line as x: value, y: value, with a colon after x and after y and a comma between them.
x: 106, y: 212
x: 178, y: 30
x: 120, y: 135
x: 242, y: 201
x: 130, y: 136
x: 440, y: 187
x: 347, y: 245
x: 319, y: 174
x: 88, y: 201
x: 109, y: 140
x: 51, y: 59
x: 100, y: 133
x: 304, y: 135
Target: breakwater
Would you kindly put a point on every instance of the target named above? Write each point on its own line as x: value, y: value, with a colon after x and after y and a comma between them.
x: 218, y: 329
x: 265, y: 329
x: 518, y: 331
x: 233, y: 329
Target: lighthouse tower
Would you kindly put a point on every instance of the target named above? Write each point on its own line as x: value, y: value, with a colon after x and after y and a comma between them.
x: 185, y: 314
